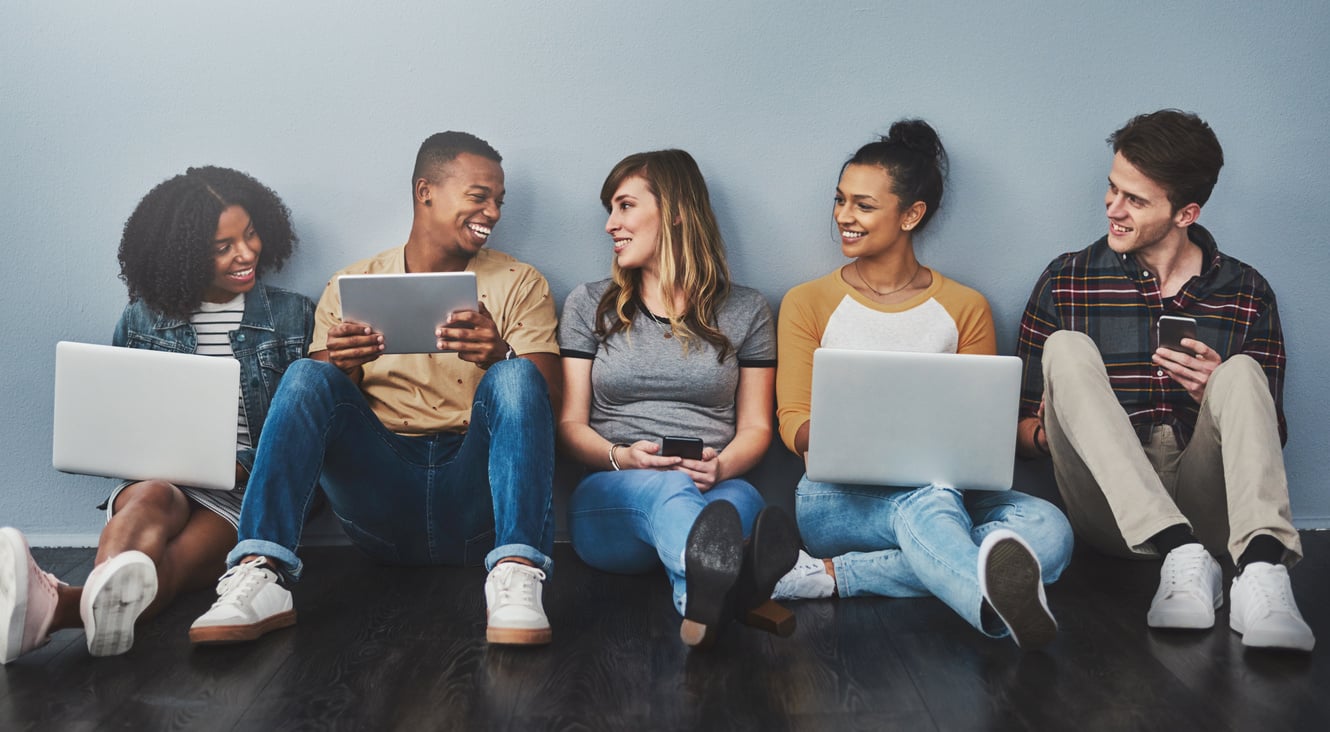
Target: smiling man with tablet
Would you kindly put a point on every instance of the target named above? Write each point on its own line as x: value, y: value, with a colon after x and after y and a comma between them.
x: 427, y: 458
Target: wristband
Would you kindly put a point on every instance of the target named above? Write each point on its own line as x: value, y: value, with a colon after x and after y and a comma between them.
x: 615, y: 463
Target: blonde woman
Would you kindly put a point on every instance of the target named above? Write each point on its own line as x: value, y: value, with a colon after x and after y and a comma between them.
x: 669, y: 347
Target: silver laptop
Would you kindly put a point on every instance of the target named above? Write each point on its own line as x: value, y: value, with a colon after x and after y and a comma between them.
x: 912, y: 419
x: 136, y: 414
x: 406, y: 308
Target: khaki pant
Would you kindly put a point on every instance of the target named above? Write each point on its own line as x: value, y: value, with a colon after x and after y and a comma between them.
x: 1228, y: 485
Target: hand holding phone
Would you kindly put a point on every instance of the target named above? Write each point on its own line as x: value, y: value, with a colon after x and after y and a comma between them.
x: 1172, y: 329
x: 689, y: 448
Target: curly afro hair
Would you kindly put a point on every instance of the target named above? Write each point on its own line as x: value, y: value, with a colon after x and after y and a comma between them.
x: 166, y: 253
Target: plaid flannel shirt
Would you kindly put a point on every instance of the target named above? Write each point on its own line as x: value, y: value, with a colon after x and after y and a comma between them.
x: 1117, y: 302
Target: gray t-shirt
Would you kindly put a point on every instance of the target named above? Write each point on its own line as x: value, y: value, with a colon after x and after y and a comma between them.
x: 644, y: 387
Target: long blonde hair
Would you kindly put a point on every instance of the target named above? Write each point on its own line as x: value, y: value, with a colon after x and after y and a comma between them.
x: 690, y: 256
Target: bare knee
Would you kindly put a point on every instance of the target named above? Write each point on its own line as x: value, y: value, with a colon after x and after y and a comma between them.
x: 153, y: 497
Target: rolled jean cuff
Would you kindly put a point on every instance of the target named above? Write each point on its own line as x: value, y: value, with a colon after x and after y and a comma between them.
x: 520, y: 551
x: 287, y: 562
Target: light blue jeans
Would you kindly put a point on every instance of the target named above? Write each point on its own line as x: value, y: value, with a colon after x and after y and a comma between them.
x: 629, y: 521
x: 916, y: 542
x: 430, y: 499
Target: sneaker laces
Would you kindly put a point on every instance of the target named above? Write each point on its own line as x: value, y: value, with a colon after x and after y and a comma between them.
x: 1179, y: 568
x: 516, y: 583
x: 241, y: 581
x: 1274, y: 592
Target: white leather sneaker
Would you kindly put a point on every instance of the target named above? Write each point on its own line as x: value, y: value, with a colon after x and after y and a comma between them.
x: 513, y: 605
x: 116, y: 593
x: 1264, y: 612
x: 807, y: 580
x: 1190, y: 590
x: 250, y: 602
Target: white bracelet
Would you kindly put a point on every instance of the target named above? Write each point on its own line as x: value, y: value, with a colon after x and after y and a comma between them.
x: 615, y: 463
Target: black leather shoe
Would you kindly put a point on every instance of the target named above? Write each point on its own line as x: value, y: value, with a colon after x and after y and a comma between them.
x: 713, y: 559
x: 770, y: 553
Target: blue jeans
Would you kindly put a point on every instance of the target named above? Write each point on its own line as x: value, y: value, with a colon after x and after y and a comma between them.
x: 628, y: 521
x: 430, y: 499
x: 916, y: 542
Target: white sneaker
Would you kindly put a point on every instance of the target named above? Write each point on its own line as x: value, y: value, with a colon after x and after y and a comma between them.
x: 806, y: 580
x: 27, y: 598
x: 1190, y: 590
x: 513, y: 605
x: 250, y: 603
x: 116, y: 593
x: 1012, y: 582
x: 1264, y: 612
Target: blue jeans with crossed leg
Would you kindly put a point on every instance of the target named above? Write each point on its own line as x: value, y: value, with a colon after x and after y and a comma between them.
x: 916, y: 542
x: 629, y: 521
x: 431, y: 499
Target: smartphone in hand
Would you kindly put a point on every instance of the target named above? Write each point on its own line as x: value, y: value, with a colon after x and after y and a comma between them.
x: 689, y: 448
x: 1172, y: 329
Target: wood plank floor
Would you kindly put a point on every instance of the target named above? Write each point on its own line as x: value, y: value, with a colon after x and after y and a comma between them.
x: 391, y: 648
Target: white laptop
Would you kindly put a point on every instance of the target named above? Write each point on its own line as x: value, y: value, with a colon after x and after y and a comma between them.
x: 406, y: 308
x: 136, y: 414
x: 912, y: 419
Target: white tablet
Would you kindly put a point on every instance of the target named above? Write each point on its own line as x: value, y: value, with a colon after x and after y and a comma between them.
x: 406, y: 308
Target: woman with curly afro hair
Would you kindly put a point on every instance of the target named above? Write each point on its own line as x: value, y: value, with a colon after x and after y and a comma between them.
x: 192, y: 254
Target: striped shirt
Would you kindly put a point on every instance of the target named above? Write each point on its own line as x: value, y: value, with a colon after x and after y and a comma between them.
x: 213, y: 323
x: 1117, y: 302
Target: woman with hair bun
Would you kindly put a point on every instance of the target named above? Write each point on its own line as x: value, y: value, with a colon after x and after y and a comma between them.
x: 191, y: 255
x: 985, y: 554
x: 669, y: 346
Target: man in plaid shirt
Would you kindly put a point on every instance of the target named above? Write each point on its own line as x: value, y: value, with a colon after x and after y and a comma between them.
x: 1157, y: 451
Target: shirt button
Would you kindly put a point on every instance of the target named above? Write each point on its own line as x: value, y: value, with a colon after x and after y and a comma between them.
x: 1160, y: 372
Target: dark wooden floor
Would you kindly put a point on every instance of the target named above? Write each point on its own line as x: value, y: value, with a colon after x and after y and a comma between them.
x: 388, y: 648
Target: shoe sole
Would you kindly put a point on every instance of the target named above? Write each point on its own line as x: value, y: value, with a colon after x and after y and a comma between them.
x: 223, y: 634
x: 519, y: 636
x: 1283, y: 641
x: 1012, y: 579
x: 122, y: 591
x: 13, y: 591
x: 713, y: 558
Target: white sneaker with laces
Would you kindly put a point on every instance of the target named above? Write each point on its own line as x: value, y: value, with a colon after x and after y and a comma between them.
x: 116, y: 593
x: 806, y: 580
x: 1190, y: 590
x: 1012, y: 583
x: 513, y: 605
x: 250, y: 602
x: 27, y: 598
x: 1264, y: 612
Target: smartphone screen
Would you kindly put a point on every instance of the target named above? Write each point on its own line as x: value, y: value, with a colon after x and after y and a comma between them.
x: 1173, y: 328
x: 685, y: 447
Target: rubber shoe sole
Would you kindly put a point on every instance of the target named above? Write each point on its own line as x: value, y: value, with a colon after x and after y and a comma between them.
x: 713, y: 558
x: 771, y: 552
x: 221, y: 634
x: 519, y: 636
x: 1013, y: 583
x: 116, y: 594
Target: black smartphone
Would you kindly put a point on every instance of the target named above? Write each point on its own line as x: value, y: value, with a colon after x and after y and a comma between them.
x: 689, y: 448
x: 1173, y: 328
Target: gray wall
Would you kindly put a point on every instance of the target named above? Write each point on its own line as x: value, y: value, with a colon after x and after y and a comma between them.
x: 327, y: 102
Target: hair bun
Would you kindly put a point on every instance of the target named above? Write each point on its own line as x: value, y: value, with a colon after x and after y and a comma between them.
x: 916, y: 135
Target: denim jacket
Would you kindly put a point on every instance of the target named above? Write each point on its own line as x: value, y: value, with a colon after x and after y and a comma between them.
x: 274, y: 332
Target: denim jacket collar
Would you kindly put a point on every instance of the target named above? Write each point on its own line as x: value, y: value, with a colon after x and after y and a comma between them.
x: 257, y: 315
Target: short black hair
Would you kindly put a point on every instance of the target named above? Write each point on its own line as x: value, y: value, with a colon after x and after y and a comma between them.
x: 442, y: 148
x: 912, y: 153
x: 166, y: 251
x: 1175, y: 149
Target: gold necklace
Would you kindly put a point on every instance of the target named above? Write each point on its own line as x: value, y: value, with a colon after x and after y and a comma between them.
x: 666, y: 332
x: 864, y: 280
